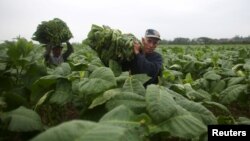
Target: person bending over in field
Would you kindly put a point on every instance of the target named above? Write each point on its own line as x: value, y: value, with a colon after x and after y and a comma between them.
x: 57, y: 57
x: 146, y: 59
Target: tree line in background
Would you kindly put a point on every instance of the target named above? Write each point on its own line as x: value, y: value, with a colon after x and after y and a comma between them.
x: 207, y: 40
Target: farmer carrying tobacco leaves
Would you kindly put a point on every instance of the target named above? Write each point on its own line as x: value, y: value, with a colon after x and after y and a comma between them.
x: 57, y: 57
x: 146, y: 60
x: 52, y: 34
x: 126, y: 49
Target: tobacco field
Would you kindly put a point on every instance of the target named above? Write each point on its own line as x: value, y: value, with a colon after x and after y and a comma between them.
x: 82, y: 100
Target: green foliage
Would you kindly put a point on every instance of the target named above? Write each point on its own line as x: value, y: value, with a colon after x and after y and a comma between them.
x: 216, y: 105
x: 196, y: 82
x: 118, y: 113
x: 111, y: 44
x: 143, y: 78
x: 86, y: 131
x: 218, y: 86
x: 18, y: 51
x: 134, y: 86
x: 232, y: 93
x: 123, y: 117
x: 20, y: 56
x: 195, y: 94
x: 132, y: 100
x: 198, y: 111
x: 186, y: 122
x: 211, y: 75
x: 23, y: 120
x: 160, y: 104
x: 243, y: 120
x: 63, y: 93
x: 185, y: 126
x: 61, y: 71
x: 107, y: 95
x: 99, y: 81
x: 53, y: 32
x: 235, y: 80
x: 40, y: 87
x: 115, y: 67
x: 14, y: 100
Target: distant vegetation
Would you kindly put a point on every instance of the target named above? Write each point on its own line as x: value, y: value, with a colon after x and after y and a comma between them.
x: 207, y: 40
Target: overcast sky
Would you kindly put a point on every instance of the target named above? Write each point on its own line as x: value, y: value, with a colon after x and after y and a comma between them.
x: 172, y: 18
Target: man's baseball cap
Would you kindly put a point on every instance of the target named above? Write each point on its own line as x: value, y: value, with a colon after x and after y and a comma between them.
x: 153, y: 34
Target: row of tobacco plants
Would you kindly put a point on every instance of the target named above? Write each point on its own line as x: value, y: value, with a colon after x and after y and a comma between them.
x: 84, y: 100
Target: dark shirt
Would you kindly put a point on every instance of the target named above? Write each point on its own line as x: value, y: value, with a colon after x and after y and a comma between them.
x: 50, y: 60
x: 149, y: 64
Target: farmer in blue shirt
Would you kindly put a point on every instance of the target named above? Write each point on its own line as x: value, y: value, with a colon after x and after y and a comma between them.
x: 146, y: 60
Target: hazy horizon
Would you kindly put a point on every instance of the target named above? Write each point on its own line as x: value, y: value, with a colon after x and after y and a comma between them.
x: 180, y: 18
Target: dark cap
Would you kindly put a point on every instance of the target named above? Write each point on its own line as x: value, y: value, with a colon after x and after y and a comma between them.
x: 152, y: 33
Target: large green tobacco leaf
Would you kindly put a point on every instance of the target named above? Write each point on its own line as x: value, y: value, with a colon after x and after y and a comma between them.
x: 63, y: 92
x: 235, y: 80
x: 202, y: 83
x: 122, y: 116
x: 104, y: 74
x: 23, y: 119
x: 134, y: 101
x: 122, y: 78
x: 125, y: 117
x: 40, y: 87
x: 198, y: 111
x: 119, y: 113
x: 160, y: 104
x: 232, y: 93
x: 143, y: 78
x: 216, y: 106
x: 134, y: 86
x: 107, y: 95
x: 174, y: 94
x: 62, y: 70
x: 86, y: 131
x: 178, y: 88
x: 183, y: 125
x: 172, y: 117
x: 211, y: 75
x: 195, y: 95
x: 218, y: 86
x: 99, y: 81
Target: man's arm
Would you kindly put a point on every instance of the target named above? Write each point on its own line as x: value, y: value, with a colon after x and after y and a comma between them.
x: 150, y: 66
x: 68, y: 51
x: 47, y: 53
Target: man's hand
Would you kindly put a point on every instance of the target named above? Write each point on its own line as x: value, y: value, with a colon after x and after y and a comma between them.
x: 137, y: 47
x: 68, y: 43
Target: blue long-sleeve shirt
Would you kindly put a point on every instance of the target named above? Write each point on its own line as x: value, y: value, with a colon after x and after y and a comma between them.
x: 149, y: 64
